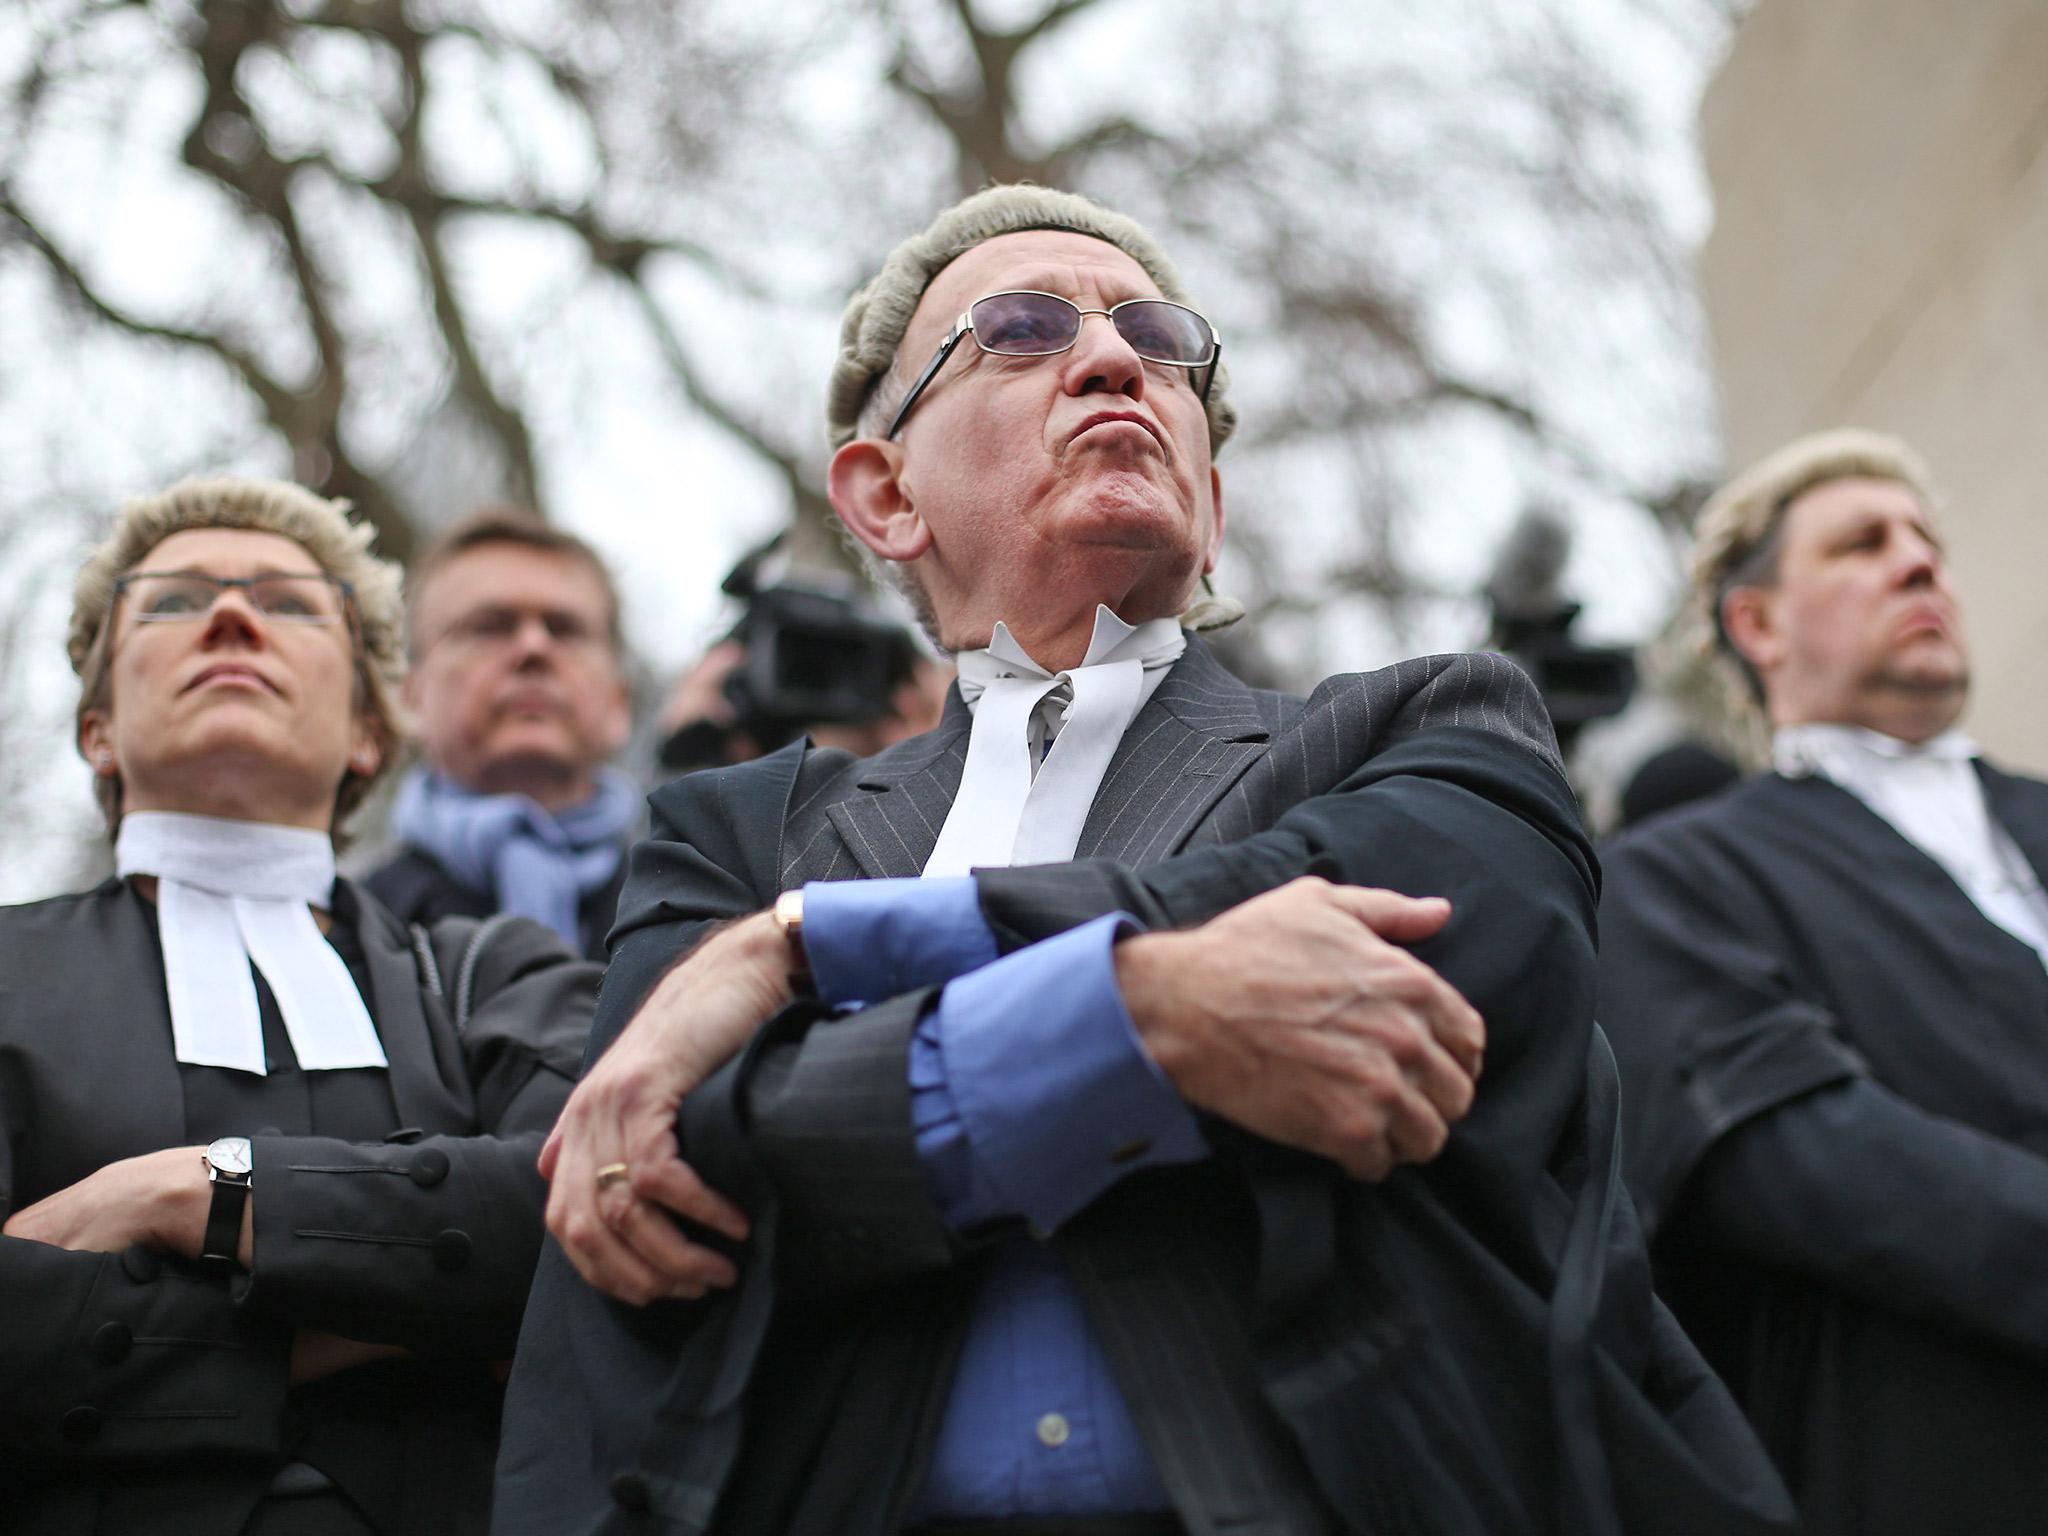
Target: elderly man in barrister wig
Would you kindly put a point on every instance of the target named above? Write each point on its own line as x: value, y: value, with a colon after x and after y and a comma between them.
x: 1828, y: 989
x: 266, y: 1155
x: 1092, y: 1136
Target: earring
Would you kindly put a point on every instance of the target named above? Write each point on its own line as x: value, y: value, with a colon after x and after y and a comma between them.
x: 104, y: 761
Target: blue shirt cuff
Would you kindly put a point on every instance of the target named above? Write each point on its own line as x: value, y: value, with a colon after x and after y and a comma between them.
x: 867, y: 940
x: 1030, y: 1092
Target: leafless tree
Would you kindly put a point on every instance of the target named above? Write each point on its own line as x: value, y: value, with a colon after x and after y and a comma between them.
x: 407, y: 250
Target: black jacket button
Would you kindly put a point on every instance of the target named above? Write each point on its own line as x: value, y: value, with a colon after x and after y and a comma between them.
x: 451, y: 1250
x: 140, y: 1265
x: 111, y: 1343
x: 405, y: 1136
x: 629, y: 1491
x: 429, y: 1168
x: 82, y: 1425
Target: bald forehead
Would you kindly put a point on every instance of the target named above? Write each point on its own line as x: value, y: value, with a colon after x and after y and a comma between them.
x: 1078, y: 267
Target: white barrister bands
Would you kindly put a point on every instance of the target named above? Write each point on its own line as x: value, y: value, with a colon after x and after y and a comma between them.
x: 233, y: 892
x: 1931, y: 795
x: 1012, y: 808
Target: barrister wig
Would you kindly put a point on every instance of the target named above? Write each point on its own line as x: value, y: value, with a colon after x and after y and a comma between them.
x: 865, y: 377
x: 1737, y: 535
x: 322, y: 528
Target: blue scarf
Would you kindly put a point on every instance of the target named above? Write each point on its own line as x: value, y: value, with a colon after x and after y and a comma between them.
x: 534, y: 863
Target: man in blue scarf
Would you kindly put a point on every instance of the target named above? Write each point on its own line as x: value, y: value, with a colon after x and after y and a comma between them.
x: 516, y: 685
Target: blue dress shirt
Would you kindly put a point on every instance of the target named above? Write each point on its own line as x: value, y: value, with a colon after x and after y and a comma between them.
x: 1030, y: 1096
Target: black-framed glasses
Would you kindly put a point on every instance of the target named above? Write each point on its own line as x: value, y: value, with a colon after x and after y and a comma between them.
x: 1023, y: 322
x: 179, y: 597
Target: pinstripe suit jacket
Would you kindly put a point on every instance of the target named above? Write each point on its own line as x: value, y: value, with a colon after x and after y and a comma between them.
x: 1302, y: 1354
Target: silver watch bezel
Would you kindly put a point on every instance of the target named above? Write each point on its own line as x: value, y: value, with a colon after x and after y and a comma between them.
x: 231, y: 1157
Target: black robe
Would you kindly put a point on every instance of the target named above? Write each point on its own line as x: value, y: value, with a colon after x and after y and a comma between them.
x: 1835, y: 1080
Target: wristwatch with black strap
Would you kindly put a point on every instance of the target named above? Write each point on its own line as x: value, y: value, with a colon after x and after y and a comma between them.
x: 230, y: 1167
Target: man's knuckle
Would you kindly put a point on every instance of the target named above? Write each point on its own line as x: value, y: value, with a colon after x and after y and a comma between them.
x: 1456, y: 1100
x: 1406, y: 1040
x: 1378, y: 1078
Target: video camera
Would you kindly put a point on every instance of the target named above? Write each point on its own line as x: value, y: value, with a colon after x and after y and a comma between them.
x: 812, y: 655
x: 1532, y: 622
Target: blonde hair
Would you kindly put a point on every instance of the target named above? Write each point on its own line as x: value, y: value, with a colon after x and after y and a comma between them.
x: 321, y: 528
x: 1737, y: 536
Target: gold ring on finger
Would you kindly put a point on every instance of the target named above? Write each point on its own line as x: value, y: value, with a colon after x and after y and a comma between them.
x: 613, y: 1173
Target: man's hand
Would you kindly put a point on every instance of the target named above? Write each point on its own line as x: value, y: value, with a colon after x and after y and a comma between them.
x: 1299, y: 1017
x: 159, y: 1200
x: 620, y: 1237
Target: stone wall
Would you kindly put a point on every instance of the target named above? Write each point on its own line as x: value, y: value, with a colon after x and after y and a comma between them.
x: 1880, y: 258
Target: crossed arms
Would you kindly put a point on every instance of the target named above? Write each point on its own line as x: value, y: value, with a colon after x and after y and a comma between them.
x: 1316, y: 1013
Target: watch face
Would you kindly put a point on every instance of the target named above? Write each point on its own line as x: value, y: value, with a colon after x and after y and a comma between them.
x: 231, y: 1154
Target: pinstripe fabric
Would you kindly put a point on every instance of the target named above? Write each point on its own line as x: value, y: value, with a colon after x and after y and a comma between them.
x: 1208, y: 759
x: 832, y: 1125
x: 1182, y: 774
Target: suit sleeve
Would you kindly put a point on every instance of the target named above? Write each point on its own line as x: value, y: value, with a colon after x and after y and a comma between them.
x: 1448, y: 786
x: 1448, y: 759
x: 1710, y: 1029
x: 431, y: 1245
x: 108, y: 1358
x: 1906, y: 1211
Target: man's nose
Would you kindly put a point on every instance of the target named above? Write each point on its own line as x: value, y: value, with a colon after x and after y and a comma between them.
x: 533, y: 639
x: 1102, y: 361
x: 1919, y: 560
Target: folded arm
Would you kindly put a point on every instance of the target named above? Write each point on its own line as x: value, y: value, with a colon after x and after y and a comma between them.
x: 1904, y: 1210
x: 114, y: 1344
x: 1445, y: 802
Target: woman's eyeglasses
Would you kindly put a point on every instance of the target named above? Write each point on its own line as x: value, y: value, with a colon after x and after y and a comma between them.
x: 1027, y: 323
x: 176, y: 597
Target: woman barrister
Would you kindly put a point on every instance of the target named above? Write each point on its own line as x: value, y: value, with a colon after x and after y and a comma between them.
x: 266, y: 1157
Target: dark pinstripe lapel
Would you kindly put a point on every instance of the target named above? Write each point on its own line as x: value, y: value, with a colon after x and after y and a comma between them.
x: 1194, y: 738
x: 891, y: 820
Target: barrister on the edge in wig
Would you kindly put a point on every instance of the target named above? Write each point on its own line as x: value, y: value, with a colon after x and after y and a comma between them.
x: 1156, y: 1187
x: 1827, y: 992
x: 266, y: 1156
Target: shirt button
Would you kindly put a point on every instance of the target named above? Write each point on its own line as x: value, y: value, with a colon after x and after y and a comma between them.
x: 1052, y: 1431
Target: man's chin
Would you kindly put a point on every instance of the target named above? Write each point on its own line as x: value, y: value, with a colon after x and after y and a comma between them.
x: 523, y: 770
x: 1930, y: 680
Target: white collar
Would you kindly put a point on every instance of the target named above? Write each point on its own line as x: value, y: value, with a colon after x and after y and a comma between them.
x: 1011, y: 808
x: 1156, y: 644
x: 1799, y: 751
x: 230, y: 893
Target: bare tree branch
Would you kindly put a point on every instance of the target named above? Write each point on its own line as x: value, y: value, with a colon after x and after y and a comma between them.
x: 472, y: 384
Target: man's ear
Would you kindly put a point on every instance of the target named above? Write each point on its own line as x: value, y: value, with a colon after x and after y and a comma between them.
x: 1750, y: 621
x: 1215, y: 551
x: 867, y: 489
